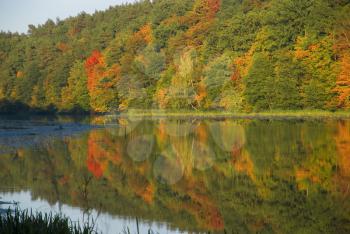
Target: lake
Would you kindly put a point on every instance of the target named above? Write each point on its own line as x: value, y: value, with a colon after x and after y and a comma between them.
x: 181, y: 175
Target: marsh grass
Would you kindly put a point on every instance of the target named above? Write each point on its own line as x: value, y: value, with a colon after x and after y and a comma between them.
x: 27, y: 222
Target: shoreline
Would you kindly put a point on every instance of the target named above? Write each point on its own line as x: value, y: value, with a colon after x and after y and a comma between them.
x: 252, y: 115
x: 313, y: 114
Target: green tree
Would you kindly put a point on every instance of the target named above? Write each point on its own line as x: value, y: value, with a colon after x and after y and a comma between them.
x: 182, y: 89
x: 289, y: 75
x: 216, y: 75
x: 75, y: 95
x: 260, y: 83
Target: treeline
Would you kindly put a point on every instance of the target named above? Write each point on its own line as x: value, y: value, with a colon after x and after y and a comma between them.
x: 235, y: 55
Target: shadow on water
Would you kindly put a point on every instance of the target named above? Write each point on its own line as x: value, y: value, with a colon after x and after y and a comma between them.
x: 26, y: 131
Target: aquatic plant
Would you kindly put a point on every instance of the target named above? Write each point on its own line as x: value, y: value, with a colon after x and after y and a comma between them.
x: 27, y: 222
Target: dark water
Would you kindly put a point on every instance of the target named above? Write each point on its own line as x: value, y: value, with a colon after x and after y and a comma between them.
x: 185, y: 175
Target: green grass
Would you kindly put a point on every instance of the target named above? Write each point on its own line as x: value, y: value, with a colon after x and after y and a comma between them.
x: 213, y: 114
x: 24, y: 222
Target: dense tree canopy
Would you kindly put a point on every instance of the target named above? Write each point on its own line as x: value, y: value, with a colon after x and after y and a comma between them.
x: 237, y: 55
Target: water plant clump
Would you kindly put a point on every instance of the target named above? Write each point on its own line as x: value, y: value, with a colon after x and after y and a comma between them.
x: 28, y: 222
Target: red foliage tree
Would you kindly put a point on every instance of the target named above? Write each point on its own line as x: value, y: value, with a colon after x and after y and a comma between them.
x: 101, y: 83
x: 94, y: 68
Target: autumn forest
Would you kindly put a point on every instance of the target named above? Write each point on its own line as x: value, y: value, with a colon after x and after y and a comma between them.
x: 232, y: 55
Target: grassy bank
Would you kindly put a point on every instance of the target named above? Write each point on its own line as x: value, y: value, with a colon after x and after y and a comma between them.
x: 24, y: 222
x: 216, y: 114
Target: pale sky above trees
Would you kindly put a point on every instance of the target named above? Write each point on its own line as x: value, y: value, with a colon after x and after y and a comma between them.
x: 16, y: 15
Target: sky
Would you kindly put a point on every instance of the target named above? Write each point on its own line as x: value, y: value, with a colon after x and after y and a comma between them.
x: 16, y: 15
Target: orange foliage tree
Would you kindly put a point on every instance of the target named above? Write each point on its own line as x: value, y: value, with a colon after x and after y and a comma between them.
x: 199, y: 21
x: 206, y: 8
x: 203, y: 14
x: 140, y: 39
x: 343, y: 83
x: 342, y: 47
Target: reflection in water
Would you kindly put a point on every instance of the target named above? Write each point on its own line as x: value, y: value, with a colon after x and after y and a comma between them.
x: 168, y: 168
x: 193, y: 175
x: 343, y: 149
x: 140, y: 148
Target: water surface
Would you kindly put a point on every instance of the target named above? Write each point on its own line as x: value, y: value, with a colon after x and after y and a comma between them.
x: 176, y: 175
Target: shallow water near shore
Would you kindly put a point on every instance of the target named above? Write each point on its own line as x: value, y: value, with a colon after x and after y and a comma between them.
x: 179, y: 175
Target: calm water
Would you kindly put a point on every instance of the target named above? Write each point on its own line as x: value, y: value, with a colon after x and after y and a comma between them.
x: 183, y: 175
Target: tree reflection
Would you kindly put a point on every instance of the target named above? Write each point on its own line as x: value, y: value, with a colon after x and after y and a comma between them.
x: 207, y: 175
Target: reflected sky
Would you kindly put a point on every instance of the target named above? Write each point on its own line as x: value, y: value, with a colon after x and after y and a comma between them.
x: 105, y: 223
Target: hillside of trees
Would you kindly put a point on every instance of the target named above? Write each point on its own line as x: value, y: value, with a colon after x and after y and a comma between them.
x: 233, y: 55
